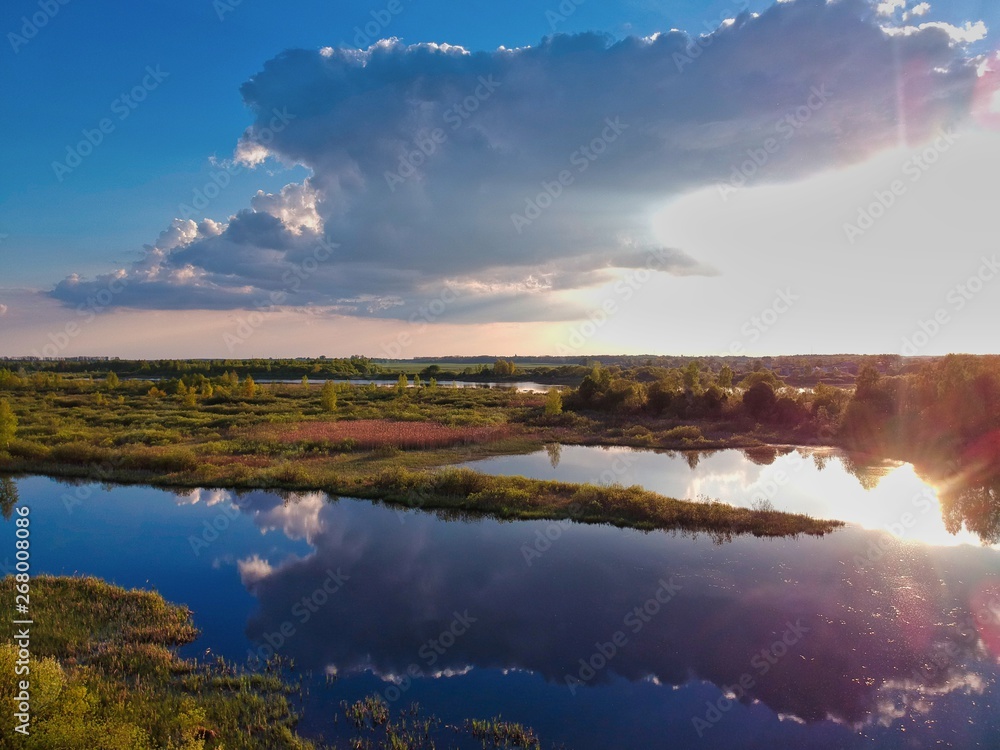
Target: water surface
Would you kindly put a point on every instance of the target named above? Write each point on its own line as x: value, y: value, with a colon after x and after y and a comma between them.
x: 857, y: 639
x: 823, y: 483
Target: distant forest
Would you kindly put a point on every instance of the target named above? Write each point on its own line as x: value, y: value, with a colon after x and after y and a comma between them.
x: 798, y: 370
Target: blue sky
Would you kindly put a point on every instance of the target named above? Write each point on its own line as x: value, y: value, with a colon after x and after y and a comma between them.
x: 99, y: 216
x: 64, y: 80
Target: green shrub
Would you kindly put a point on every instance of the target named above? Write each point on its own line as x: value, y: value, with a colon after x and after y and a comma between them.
x: 683, y: 432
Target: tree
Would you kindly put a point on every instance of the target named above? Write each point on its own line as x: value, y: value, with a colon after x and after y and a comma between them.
x: 401, y: 384
x: 8, y: 497
x: 328, y: 396
x: 867, y: 381
x: 660, y: 395
x: 759, y: 400
x: 431, y: 371
x: 553, y: 403
x: 111, y: 381
x: 305, y: 381
x: 8, y: 424
x: 249, y: 389
x: 692, y: 377
x: 725, y: 379
x: 761, y: 376
x: 502, y: 368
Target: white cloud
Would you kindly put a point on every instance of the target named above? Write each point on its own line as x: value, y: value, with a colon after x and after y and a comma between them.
x: 295, y: 205
x: 967, y: 34
x: 253, y: 570
x: 920, y: 9
x: 890, y: 7
x: 298, y: 517
x: 3, y: 309
x: 397, y: 211
x: 209, y: 497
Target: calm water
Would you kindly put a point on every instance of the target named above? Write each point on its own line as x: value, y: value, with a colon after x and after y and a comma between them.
x: 888, y: 496
x: 856, y: 640
x: 523, y: 386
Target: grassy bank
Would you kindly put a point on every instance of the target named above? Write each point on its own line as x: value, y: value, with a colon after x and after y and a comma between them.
x: 379, y: 443
x: 104, y: 673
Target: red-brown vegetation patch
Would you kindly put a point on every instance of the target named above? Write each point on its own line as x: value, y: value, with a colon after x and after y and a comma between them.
x: 369, y: 434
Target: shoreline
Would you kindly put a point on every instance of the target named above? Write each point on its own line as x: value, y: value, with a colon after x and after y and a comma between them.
x: 449, y: 488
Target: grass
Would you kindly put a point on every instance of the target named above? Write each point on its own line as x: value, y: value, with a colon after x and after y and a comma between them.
x: 380, y: 443
x: 411, y: 729
x: 104, y: 673
x: 374, y: 434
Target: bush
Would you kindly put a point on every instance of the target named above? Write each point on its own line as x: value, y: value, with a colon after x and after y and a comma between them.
x: 29, y: 450
x: 683, y: 432
x: 79, y: 453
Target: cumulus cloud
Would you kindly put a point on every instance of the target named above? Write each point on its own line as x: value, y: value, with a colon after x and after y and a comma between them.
x: 890, y: 7
x: 516, y: 175
x: 3, y: 310
x: 253, y: 570
x: 966, y: 34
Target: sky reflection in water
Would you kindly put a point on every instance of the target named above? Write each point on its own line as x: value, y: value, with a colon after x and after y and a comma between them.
x: 880, y: 635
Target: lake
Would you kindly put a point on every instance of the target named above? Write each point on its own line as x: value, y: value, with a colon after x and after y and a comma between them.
x: 823, y: 483
x: 522, y: 386
x: 597, y: 637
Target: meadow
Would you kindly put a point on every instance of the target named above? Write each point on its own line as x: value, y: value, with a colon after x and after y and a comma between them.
x: 384, y: 443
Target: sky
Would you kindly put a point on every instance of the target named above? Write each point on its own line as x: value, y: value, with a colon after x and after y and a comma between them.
x: 246, y: 178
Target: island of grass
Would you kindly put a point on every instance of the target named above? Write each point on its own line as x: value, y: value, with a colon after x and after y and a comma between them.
x: 104, y: 673
x: 397, y: 445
